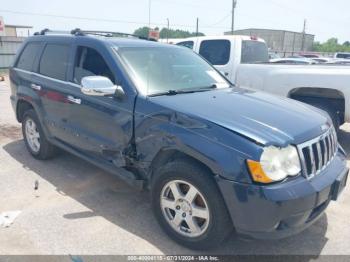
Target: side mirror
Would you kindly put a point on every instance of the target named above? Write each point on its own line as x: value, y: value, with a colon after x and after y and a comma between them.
x: 100, y: 86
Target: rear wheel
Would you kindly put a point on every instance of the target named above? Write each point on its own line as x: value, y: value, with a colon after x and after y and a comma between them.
x: 34, y: 137
x: 189, y: 206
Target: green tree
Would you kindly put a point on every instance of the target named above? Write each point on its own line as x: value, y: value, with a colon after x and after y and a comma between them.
x: 332, y: 45
x: 177, y: 33
x: 346, y: 43
x: 142, y: 31
x: 164, y: 33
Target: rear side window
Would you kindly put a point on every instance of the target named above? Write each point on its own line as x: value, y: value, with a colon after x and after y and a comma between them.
x: 54, y: 61
x: 254, y: 52
x: 28, y: 56
x: 217, y: 52
x: 89, y: 62
x: 188, y: 44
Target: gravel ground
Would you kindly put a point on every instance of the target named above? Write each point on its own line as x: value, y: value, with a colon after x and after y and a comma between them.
x: 80, y: 209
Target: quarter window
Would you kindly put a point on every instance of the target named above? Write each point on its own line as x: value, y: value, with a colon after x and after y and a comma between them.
x: 28, y: 56
x: 188, y: 44
x: 217, y: 52
x: 89, y: 62
x: 54, y: 61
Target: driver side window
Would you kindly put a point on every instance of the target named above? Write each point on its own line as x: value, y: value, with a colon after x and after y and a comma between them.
x: 88, y: 62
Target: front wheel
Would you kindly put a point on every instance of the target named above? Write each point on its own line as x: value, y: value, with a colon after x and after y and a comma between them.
x: 189, y: 206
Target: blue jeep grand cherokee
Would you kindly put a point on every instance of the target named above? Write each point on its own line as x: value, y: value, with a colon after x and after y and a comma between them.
x: 216, y: 158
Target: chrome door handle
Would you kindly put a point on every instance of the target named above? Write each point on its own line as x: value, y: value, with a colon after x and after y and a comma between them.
x: 35, y: 87
x: 74, y: 100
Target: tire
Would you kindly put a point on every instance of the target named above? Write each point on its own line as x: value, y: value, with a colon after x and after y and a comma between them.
x: 331, y: 112
x: 212, y: 231
x: 31, y: 128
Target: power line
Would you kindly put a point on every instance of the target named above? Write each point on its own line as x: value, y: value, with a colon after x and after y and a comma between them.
x: 222, y: 19
x: 149, y: 13
x: 101, y: 19
x: 213, y: 26
x: 297, y: 11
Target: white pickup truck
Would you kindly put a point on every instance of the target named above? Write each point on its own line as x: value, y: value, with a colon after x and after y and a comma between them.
x: 244, y: 61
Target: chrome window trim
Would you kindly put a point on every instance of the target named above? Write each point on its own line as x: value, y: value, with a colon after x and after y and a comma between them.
x: 47, y: 77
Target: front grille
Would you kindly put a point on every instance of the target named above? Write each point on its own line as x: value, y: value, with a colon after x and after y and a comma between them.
x: 316, y: 154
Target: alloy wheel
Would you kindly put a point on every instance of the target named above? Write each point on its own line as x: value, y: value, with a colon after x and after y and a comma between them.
x: 32, y: 135
x: 185, y: 208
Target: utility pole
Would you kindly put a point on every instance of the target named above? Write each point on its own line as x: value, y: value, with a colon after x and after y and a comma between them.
x: 197, y: 26
x: 234, y: 4
x: 149, y: 14
x: 303, y: 36
x: 167, y: 32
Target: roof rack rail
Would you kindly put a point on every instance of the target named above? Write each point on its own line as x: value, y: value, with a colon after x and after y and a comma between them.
x: 79, y: 32
x: 48, y: 31
x: 110, y: 34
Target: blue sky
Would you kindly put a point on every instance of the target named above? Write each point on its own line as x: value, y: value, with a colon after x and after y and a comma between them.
x: 325, y: 19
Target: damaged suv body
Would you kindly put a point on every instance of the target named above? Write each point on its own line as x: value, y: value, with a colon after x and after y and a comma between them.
x: 216, y: 158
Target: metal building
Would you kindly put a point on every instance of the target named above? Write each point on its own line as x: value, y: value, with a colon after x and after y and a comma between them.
x: 17, y: 30
x: 281, y: 41
x: 9, y: 44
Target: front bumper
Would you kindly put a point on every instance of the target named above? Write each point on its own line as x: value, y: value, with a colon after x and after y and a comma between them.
x: 283, y: 209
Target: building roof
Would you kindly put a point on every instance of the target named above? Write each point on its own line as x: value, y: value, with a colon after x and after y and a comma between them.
x: 266, y: 29
x: 19, y: 26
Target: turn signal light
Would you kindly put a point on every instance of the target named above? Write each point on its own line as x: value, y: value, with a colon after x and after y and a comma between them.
x: 257, y: 172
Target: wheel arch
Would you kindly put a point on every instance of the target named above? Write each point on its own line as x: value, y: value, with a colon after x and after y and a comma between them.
x: 330, y: 97
x: 167, y: 155
x: 22, y: 106
x: 319, y: 92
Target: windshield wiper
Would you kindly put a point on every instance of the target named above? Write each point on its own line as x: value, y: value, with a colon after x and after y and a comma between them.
x: 184, y: 91
x: 213, y: 86
x: 169, y: 93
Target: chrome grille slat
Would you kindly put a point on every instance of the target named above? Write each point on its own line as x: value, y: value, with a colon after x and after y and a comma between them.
x: 331, y: 139
x: 324, y: 159
x: 334, y: 137
x: 312, y: 159
x: 326, y: 149
x: 303, y: 163
x: 319, y: 155
x: 316, y: 154
x: 329, y: 148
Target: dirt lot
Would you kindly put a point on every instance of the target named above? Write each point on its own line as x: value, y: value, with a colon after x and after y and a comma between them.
x: 80, y: 209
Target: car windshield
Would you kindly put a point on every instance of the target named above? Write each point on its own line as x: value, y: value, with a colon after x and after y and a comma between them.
x: 158, y: 70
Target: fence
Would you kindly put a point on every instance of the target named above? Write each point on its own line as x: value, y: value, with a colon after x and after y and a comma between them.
x: 8, y: 49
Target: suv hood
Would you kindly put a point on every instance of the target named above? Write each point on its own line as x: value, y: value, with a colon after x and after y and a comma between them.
x: 264, y: 118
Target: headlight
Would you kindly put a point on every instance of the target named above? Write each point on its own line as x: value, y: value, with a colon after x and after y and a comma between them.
x: 275, y: 164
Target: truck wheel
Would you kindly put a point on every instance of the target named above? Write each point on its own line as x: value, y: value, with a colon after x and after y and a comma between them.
x: 332, y: 114
x: 34, y: 137
x: 189, y: 206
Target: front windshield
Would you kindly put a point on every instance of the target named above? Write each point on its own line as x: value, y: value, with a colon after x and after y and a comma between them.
x: 162, y: 69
